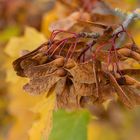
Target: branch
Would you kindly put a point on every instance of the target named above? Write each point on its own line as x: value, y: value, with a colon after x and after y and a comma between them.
x: 129, y: 19
x: 135, y: 15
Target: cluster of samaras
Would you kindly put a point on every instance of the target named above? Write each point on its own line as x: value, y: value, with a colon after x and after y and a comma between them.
x: 83, y: 68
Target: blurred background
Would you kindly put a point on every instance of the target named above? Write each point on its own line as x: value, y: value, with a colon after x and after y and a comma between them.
x: 24, y: 25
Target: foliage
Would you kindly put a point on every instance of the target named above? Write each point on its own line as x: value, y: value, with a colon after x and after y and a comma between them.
x: 69, y: 125
x: 38, y: 117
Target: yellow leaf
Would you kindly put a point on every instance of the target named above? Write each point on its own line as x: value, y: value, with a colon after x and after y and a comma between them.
x: 31, y: 40
x: 21, y: 102
x: 58, y: 12
x: 137, y: 39
x: 48, y: 18
x: 42, y: 126
x: 101, y: 131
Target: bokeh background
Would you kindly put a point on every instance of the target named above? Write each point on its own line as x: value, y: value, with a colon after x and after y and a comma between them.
x: 24, y: 25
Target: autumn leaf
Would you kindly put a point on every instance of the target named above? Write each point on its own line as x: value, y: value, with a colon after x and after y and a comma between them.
x: 42, y: 126
x: 101, y: 132
x: 48, y: 18
x: 29, y: 41
x: 20, y: 104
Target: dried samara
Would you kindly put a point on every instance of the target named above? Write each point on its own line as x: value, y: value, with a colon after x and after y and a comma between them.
x: 83, y: 68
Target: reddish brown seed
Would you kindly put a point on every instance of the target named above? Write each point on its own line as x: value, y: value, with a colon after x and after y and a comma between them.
x: 128, y: 53
x: 133, y: 47
x: 43, y: 49
x: 70, y: 64
x: 43, y: 60
x: 128, y: 45
x: 38, y: 56
x: 59, y: 62
x: 61, y: 72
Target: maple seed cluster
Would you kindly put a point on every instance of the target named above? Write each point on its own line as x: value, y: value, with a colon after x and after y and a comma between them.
x: 83, y: 68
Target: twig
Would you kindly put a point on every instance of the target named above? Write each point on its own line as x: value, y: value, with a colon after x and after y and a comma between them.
x: 129, y: 19
x: 120, y: 13
x: 89, y: 35
x: 135, y: 15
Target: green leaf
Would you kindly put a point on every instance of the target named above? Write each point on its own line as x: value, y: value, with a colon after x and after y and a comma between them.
x: 70, y: 125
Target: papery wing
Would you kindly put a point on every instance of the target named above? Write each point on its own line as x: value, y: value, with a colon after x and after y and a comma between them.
x: 27, y: 57
x: 82, y: 73
x: 41, y: 84
x: 121, y: 94
x: 44, y: 69
x: 132, y: 93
